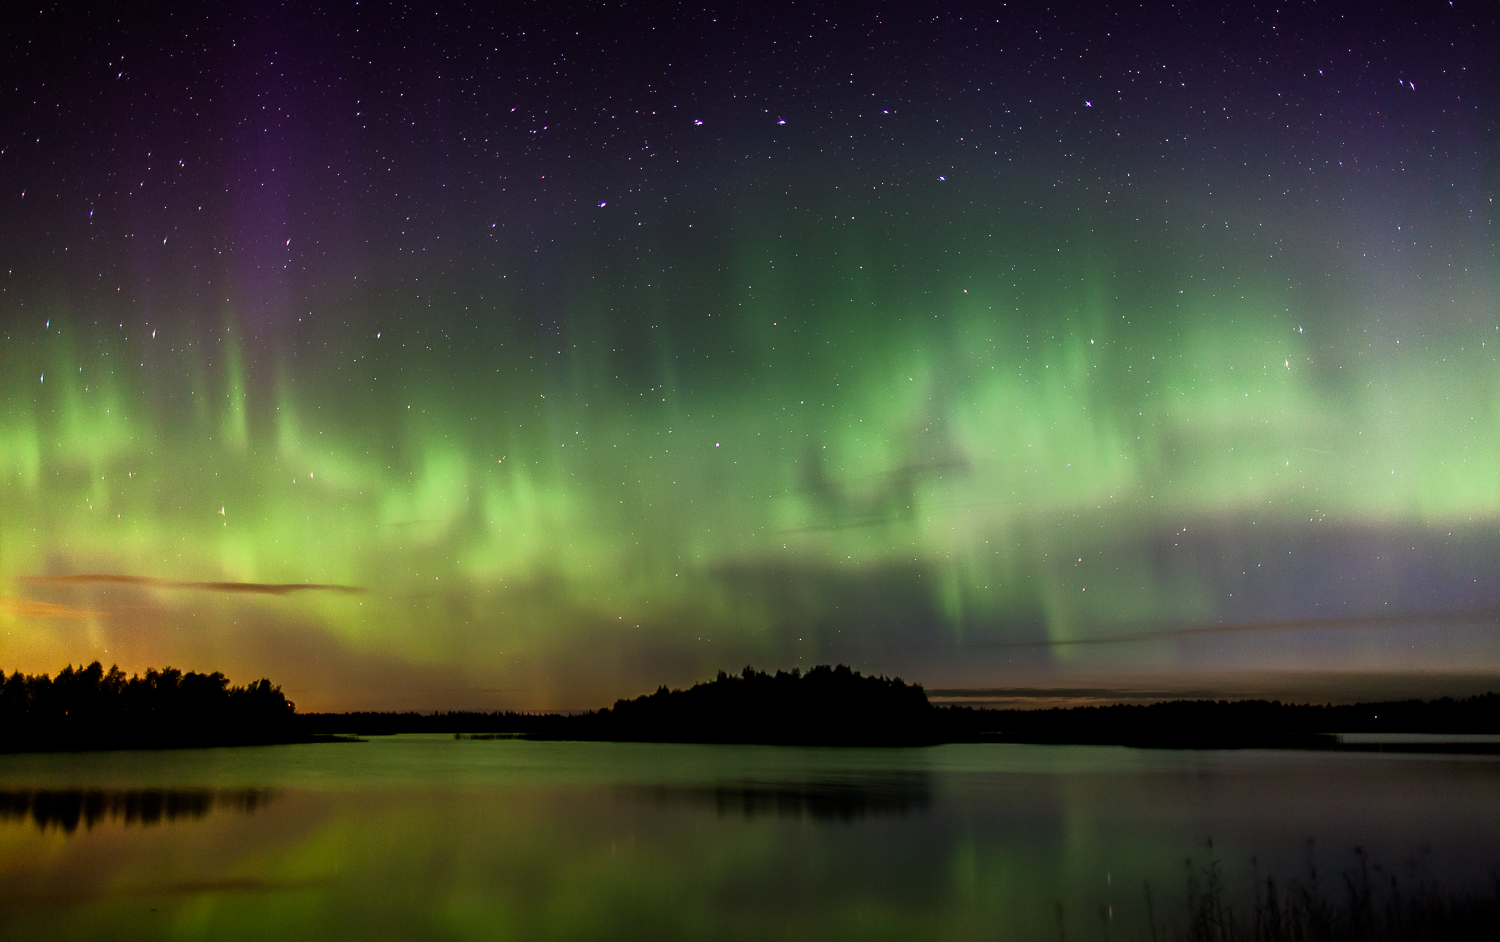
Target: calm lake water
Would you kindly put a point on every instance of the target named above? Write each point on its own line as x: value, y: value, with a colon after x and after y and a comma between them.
x: 426, y: 837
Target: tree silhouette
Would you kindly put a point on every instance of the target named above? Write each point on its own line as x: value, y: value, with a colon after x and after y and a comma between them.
x: 824, y: 706
x: 89, y: 708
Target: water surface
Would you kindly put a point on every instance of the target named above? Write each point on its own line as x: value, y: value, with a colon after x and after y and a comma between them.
x: 427, y: 837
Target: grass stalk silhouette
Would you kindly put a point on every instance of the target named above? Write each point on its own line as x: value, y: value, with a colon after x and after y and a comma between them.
x: 1370, y: 905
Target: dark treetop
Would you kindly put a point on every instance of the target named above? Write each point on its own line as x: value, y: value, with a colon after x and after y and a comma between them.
x: 89, y: 708
x: 825, y: 706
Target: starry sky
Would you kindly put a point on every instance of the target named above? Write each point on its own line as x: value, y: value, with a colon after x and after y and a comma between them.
x: 452, y: 357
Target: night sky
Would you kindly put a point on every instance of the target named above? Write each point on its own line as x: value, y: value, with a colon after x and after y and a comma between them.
x: 439, y: 357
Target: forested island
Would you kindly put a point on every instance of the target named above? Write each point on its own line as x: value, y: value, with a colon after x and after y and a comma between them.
x: 90, y: 708
x: 826, y: 706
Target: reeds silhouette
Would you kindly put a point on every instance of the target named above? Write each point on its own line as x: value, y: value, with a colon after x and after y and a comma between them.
x: 1366, y: 904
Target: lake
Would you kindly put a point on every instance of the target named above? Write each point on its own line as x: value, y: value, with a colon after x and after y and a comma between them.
x: 428, y: 837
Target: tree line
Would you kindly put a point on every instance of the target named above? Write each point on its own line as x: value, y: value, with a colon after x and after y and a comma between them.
x: 827, y: 705
x: 1224, y: 723
x: 91, y: 708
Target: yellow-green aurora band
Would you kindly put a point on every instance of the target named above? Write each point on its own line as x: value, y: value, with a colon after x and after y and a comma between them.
x: 829, y: 445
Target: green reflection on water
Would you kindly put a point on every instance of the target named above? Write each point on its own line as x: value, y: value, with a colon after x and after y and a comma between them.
x: 428, y: 838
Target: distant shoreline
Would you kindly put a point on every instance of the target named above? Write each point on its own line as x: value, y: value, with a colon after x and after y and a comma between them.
x: 89, y: 709
x: 785, y: 709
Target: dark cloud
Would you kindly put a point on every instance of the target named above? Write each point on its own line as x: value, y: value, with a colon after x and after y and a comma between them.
x: 253, y: 588
x: 1287, y: 686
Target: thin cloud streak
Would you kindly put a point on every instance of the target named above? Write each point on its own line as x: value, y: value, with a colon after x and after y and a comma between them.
x: 253, y: 588
x: 1470, y: 616
x: 16, y: 605
x: 1063, y: 693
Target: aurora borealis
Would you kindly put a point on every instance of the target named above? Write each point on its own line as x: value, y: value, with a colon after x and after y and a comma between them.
x: 569, y: 350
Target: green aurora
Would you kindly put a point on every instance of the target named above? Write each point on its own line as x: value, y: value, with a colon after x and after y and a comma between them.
x: 581, y: 415
x: 833, y: 447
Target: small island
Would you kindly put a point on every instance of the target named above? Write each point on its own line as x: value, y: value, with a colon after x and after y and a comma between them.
x: 826, y: 706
